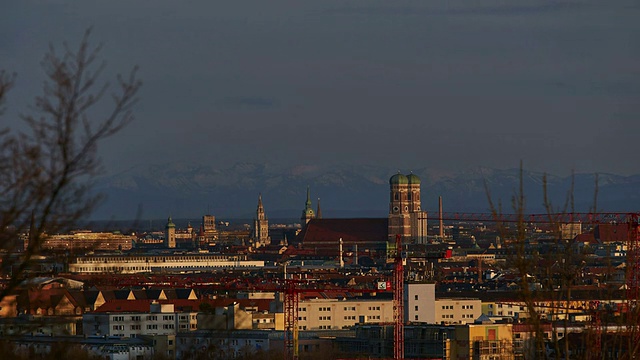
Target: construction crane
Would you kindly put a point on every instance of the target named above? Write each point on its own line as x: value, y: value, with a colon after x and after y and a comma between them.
x: 292, y: 289
x: 633, y: 279
x: 398, y: 302
x: 292, y: 300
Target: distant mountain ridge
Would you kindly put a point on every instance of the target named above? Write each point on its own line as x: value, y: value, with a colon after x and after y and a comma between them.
x: 192, y: 190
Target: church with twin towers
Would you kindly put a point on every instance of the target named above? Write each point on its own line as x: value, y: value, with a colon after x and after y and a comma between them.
x: 405, y: 218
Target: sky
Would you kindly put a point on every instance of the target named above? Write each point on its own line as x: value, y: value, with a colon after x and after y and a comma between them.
x: 447, y: 85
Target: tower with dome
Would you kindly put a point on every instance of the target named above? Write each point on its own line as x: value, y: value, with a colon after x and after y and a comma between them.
x: 406, y: 217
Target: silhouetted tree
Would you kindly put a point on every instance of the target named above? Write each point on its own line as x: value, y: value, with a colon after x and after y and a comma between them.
x: 46, y: 171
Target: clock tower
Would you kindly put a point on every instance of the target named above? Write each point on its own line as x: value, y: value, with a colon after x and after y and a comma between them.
x: 406, y: 217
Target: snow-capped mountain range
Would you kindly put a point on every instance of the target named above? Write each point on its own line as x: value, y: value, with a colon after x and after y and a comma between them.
x: 192, y: 190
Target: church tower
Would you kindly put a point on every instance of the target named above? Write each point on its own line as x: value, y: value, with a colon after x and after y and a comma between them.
x: 260, y: 226
x: 399, y: 221
x: 405, y: 212
x: 418, y: 218
x: 307, y: 213
x: 170, y: 234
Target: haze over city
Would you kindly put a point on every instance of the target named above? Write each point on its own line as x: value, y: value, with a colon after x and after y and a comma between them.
x: 448, y: 85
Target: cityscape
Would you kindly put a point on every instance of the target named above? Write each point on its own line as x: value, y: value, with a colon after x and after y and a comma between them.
x: 316, y: 180
x: 410, y: 285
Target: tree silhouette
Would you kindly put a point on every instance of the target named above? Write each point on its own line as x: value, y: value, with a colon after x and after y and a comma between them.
x: 46, y: 171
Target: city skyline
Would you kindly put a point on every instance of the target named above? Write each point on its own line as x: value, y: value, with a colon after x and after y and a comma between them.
x: 447, y: 85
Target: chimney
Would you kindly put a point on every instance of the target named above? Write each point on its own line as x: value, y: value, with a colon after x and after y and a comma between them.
x: 341, y: 259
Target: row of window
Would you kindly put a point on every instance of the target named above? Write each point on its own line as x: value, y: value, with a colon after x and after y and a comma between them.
x: 150, y: 317
x: 346, y: 308
x: 450, y: 307
x: 149, y: 327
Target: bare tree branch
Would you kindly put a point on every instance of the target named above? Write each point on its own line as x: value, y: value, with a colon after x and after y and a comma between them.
x: 46, y: 172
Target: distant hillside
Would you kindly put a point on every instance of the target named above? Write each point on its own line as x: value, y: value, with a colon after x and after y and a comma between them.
x: 191, y: 190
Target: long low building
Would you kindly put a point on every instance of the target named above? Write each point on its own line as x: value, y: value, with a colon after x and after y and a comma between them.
x: 131, y: 264
x: 86, y: 240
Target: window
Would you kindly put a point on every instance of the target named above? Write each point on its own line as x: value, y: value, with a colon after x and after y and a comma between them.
x: 416, y: 317
x: 416, y: 307
x: 416, y: 297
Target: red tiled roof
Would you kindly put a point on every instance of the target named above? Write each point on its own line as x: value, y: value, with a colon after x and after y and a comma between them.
x: 368, y: 232
x: 586, y: 238
x: 611, y: 232
x: 141, y: 305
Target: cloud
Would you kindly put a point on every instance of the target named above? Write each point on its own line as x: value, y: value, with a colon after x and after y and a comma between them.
x: 502, y: 9
x: 249, y: 103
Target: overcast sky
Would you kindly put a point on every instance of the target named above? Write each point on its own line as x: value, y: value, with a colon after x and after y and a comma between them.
x: 443, y: 84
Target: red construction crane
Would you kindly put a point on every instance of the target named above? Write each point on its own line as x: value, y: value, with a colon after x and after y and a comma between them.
x: 398, y: 302
x: 633, y: 277
x: 291, y: 302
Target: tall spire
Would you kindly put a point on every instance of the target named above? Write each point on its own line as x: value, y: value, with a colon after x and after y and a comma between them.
x: 318, y: 212
x: 260, y: 225
x: 260, y: 209
x: 307, y: 213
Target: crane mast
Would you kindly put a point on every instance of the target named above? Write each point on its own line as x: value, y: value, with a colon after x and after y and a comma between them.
x: 398, y: 302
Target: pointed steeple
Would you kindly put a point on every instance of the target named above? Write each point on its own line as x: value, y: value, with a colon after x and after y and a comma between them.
x: 308, y: 203
x: 307, y: 213
x: 260, y: 225
x: 318, y: 212
x: 260, y: 209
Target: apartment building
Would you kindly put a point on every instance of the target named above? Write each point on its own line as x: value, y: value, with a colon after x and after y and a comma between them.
x: 457, y: 311
x: 333, y: 314
x: 478, y: 341
x: 161, y: 319
x: 421, y: 305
